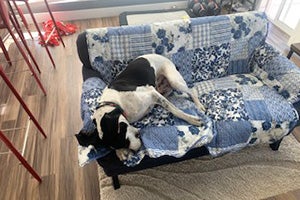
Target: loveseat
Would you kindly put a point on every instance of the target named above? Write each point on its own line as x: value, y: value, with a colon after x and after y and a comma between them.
x: 251, y: 92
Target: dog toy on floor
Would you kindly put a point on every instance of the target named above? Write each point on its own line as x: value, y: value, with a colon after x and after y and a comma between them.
x: 51, y: 35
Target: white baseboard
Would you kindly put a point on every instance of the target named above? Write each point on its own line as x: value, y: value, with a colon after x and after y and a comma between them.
x: 104, y: 12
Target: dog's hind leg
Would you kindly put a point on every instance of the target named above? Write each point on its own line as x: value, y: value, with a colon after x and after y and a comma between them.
x: 194, y: 95
x: 177, y: 82
x: 161, y: 100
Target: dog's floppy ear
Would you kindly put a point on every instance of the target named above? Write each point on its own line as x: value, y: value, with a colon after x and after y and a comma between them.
x: 82, y: 138
x: 109, y: 122
x: 114, y: 134
x: 86, y: 138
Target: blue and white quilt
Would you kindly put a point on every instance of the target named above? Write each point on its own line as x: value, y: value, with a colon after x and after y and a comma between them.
x: 247, y: 87
x: 242, y: 111
x: 161, y: 132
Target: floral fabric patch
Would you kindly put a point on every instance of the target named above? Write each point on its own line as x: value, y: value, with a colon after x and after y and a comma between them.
x: 225, y: 105
x: 210, y: 62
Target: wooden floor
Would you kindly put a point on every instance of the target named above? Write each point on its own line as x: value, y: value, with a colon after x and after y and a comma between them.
x: 55, y: 158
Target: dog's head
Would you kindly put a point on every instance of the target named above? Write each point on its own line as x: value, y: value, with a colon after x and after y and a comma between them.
x: 115, y: 131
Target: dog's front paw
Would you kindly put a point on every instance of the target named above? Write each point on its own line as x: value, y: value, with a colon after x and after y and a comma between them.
x: 123, y: 154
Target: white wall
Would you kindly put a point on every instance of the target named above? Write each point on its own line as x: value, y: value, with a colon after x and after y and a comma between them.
x: 104, y: 12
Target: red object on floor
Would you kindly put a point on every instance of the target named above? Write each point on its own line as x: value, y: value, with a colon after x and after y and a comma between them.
x: 51, y: 36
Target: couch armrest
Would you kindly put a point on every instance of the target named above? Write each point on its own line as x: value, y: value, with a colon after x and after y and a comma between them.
x: 82, y: 50
x: 277, y: 71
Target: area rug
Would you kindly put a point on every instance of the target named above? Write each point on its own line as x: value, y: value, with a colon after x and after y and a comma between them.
x: 252, y: 173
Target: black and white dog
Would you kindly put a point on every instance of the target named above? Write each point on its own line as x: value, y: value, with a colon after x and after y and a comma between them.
x: 130, y: 97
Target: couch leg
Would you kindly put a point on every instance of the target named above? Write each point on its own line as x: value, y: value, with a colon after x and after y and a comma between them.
x: 275, y: 146
x: 116, y: 182
x: 290, y: 54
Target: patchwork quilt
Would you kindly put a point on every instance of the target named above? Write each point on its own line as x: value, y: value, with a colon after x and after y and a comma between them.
x: 248, y: 88
x: 161, y: 132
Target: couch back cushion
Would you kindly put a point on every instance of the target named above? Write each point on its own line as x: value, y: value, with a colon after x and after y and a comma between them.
x: 201, y: 48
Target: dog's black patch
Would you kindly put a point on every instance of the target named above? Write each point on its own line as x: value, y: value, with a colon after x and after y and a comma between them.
x: 89, y: 138
x: 110, y: 127
x: 137, y: 73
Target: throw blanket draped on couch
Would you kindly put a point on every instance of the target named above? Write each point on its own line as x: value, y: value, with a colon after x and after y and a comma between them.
x: 249, y: 89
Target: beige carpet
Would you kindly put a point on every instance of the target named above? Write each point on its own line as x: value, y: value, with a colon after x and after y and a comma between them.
x: 253, y: 173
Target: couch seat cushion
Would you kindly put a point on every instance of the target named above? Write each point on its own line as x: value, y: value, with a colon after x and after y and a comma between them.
x: 241, y: 111
x: 245, y: 112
